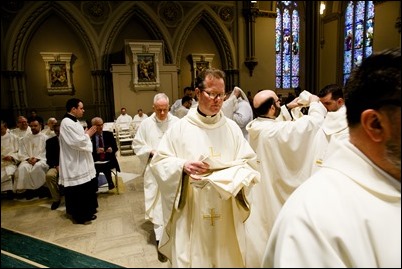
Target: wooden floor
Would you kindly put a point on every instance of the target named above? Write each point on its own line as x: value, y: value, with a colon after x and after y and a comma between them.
x: 119, y: 235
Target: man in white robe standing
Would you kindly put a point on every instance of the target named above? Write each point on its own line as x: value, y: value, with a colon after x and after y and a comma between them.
x: 238, y: 108
x: 204, y: 168
x: 348, y: 214
x: 31, y: 172
x: 9, y: 158
x: 76, y: 167
x: 335, y: 125
x: 145, y: 145
x: 281, y: 147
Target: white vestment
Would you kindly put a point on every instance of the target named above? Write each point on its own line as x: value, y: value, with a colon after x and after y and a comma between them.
x: 48, y: 132
x: 348, y: 214
x: 177, y: 104
x: 335, y: 126
x: 124, y: 123
x: 204, y: 219
x: 146, y: 140
x: 30, y: 176
x: 137, y: 121
x: 124, y: 119
x: 21, y: 133
x: 239, y: 110
x: 281, y: 147
x: 76, y: 162
x: 9, y: 147
x: 181, y: 112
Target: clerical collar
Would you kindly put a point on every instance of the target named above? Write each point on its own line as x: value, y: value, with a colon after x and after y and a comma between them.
x: 266, y: 117
x: 70, y: 116
x: 202, y: 114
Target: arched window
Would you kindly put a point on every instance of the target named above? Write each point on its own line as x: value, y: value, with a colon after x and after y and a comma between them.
x: 287, y: 45
x: 358, y: 36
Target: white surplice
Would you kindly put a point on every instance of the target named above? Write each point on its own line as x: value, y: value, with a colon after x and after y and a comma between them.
x: 137, y: 121
x: 76, y: 162
x: 348, y: 214
x: 21, y: 133
x: 335, y: 126
x: 146, y: 140
x: 9, y: 147
x: 282, y: 147
x: 30, y: 176
x: 204, y: 219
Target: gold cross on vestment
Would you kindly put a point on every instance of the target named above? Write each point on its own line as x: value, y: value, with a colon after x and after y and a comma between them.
x: 212, y: 216
x: 212, y: 152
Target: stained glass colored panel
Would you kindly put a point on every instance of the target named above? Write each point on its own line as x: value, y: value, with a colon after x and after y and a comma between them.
x: 359, y: 33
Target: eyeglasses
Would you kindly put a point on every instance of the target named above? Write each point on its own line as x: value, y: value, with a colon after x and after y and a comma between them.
x: 213, y: 95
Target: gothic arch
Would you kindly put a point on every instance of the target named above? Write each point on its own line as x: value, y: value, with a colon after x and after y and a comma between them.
x: 127, y: 10
x: 31, y: 22
x: 218, y: 31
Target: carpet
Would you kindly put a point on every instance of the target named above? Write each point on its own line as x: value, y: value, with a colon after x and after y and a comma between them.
x: 23, y: 251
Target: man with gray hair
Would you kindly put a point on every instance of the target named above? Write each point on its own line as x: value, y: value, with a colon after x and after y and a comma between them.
x: 145, y: 144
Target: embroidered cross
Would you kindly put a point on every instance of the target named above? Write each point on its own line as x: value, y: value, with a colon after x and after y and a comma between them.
x: 211, y: 149
x: 212, y: 216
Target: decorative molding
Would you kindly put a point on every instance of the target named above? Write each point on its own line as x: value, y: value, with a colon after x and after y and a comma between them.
x: 58, y: 72
x: 171, y: 13
x: 398, y: 24
x: 145, y: 65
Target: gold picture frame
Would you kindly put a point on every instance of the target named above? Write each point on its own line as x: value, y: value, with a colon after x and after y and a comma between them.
x: 58, y: 72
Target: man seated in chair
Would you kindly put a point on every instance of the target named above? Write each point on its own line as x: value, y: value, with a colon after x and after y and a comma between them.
x: 104, y: 151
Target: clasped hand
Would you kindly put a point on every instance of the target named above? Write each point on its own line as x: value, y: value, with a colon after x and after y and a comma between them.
x: 195, y: 168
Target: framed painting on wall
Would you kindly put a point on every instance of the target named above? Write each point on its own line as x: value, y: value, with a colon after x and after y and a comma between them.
x: 58, y: 72
x: 146, y: 67
x: 200, y: 62
x: 145, y: 57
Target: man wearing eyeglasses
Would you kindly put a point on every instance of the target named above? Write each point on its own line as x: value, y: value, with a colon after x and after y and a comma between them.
x: 348, y: 214
x: 282, y: 147
x: 204, y: 168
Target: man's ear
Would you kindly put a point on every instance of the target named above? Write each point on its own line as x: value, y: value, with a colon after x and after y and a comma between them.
x: 373, y: 125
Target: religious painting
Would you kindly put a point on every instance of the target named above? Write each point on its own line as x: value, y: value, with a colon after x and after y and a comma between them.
x: 146, y: 67
x: 200, y: 66
x: 58, y: 72
x: 58, y: 75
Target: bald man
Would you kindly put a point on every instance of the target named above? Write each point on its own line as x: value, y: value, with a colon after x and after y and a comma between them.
x: 281, y: 147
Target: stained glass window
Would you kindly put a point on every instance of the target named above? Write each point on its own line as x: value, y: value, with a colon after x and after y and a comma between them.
x: 287, y: 45
x: 358, y: 35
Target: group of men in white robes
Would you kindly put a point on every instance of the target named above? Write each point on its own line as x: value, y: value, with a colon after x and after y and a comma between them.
x: 31, y: 172
x: 348, y: 213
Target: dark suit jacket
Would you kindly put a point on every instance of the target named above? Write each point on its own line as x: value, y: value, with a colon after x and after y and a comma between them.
x: 52, y: 151
x: 108, y: 141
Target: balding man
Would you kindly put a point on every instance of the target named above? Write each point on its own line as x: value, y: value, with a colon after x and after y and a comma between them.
x: 49, y: 130
x: 104, y: 151
x: 281, y: 147
x: 348, y: 214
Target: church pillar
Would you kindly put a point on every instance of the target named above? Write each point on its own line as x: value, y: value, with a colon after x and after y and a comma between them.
x: 103, y: 96
x: 312, y: 46
x: 250, y: 13
x: 232, y: 79
x: 16, y: 92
